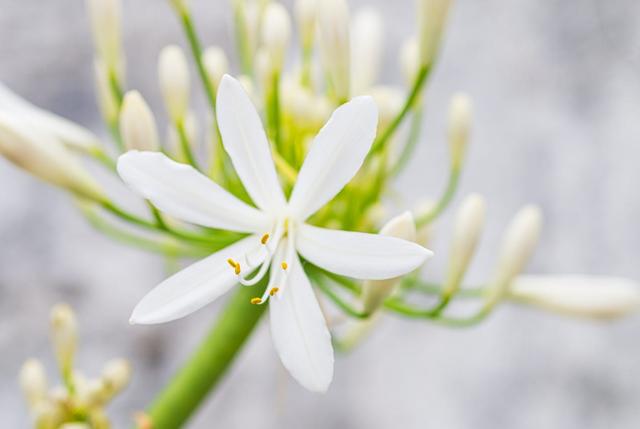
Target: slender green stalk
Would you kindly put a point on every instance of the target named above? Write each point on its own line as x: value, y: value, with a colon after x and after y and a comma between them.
x: 410, y: 145
x: 443, y: 202
x: 185, y: 145
x: 421, y: 78
x: 206, y: 367
x: 319, y: 280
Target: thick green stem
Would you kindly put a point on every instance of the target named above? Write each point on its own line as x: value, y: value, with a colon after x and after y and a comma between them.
x: 206, y: 367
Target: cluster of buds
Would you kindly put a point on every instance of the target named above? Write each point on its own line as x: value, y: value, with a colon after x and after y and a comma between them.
x: 79, y: 402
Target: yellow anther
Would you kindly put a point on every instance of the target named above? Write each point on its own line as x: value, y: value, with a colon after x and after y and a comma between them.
x: 256, y: 301
x: 237, y: 268
x: 231, y: 262
x: 264, y: 239
x: 273, y: 291
x: 284, y: 265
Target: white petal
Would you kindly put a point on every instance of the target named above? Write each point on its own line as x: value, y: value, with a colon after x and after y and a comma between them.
x: 300, y: 332
x: 579, y: 295
x: 72, y: 135
x: 335, y: 156
x: 194, y: 287
x: 359, y: 255
x: 181, y: 191
x: 247, y: 145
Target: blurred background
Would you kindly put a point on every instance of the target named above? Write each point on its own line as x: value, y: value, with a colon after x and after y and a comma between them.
x: 556, y: 86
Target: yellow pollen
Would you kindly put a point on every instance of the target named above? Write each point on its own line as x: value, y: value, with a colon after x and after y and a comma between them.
x: 237, y: 268
x: 256, y: 301
x: 273, y: 291
x: 284, y: 265
x: 231, y: 262
x: 264, y: 239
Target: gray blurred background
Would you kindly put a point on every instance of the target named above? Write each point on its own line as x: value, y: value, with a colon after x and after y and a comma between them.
x: 556, y: 86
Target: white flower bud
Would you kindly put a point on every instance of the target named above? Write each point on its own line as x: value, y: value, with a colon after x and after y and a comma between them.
x: 374, y: 292
x: 48, y: 415
x: 173, y: 72
x: 216, y: 64
x: 460, y: 118
x: 305, y: 12
x: 579, y: 295
x: 115, y: 376
x: 468, y: 227
x: 333, y: 32
x: 137, y: 124
x: 106, y: 98
x: 410, y: 60
x: 389, y: 101
x: 33, y: 381
x: 520, y: 239
x: 76, y: 425
x: 180, y: 6
x: 366, y: 49
x: 432, y: 17
x: 276, y: 33
x: 106, y: 23
x: 45, y: 157
x: 64, y: 335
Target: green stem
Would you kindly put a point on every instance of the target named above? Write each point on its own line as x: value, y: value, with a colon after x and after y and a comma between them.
x: 185, y: 145
x: 410, y: 145
x: 205, y: 368
x: 421, y: 78
x: 443, y: 202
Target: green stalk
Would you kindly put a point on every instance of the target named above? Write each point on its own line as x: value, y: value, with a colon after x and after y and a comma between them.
x: 443, y: 202
x: 206, y: 367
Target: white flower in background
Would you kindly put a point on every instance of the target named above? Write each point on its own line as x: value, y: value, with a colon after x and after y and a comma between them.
x: 173, y: 74
x: 432, y: 16
x: 137, y: 124
x: 277, y: 227
x: 578, y: 295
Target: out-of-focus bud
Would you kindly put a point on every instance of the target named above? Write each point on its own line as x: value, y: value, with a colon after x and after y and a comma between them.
x: 106, y: 98
x: 173, y: 72
x: 137, y: 124
x: 47, y: 415
x: 115, y: 376
x: 578, y: 295
x: 374, y: 292
x: 305, y: 12
x: 45, y: 157
x: 276, y: 34
x: 389, y: 101
x: 33, y: 381
x: 366, y: 49
x: 333, y: 32
x: 216, y: 64
x: 180, y: 6
x: 106, y: 23
x: 410, y: 60
x: 520, y: 239
x: 247, y: 85
x: 460, y: 118
x: 64, y: 335
x: 432, y: 17
x: 76, y: 425
x: 468, y: 227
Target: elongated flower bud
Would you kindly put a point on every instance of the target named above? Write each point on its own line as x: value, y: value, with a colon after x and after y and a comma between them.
x: 216, y: 64
x: 578, y: 295
x: 180, y: 6
x: 76, y: 425
x: 45, y: 157
x: 432, y: 17
x: 468, y: 227
x: 389, y: 101
x: 366, y: 49
x: 137, y: 124
x: 115, y: 376
x: 106, y: 23
x: 276, y: 34
x: 460, y: 118
x: 333, y: 25
x: 33, y: 381
x: 64, y: 334
x: 409, y: 60
x: 173, y: 73
x: 106, y: 98
x: 305, y: 12
x: 520, y: 239
x: 374, y: 292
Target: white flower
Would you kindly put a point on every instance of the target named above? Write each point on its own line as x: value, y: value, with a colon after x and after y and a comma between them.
x: 277, y: 227
x: 579, y: 295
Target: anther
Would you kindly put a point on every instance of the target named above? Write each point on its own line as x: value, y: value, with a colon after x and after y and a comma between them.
x: 231, y: 262
x: 264, y: 239
x: 273, y: 291
x: 237, y: 268
x: 256, y: 301
x: 284, y: 265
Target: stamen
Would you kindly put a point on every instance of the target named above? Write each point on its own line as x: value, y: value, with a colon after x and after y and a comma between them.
x: 264, y: 239
x: 237, y: 269
x: 273, y: 291
x: 284, y: 265
x: 256, y: 301
x: 231, y: 262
